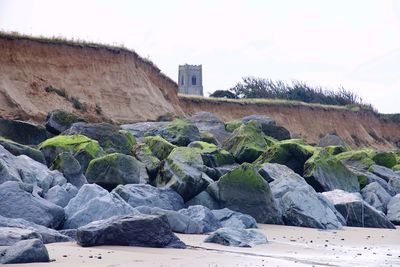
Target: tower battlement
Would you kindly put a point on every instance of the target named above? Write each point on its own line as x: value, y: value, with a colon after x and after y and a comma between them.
x: 190, y: 79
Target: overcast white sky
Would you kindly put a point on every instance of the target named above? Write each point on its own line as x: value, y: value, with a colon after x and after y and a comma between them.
x: 333, y: 42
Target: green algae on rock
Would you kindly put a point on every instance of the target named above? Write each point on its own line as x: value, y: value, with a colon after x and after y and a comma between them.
x: 160, y: 147
x: 212, y: 155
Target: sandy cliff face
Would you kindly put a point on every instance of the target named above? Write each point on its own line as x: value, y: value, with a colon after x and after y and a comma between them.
x: 126, y: 87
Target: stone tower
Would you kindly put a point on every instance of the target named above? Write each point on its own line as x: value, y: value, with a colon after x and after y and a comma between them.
x: 190, y: 80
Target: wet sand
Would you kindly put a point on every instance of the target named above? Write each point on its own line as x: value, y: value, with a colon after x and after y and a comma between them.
x: 288, y: 246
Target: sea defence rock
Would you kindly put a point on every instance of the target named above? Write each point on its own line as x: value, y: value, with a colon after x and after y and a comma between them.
x: 236, y: 237
x: 204, y: 199
x: 59, y: 120
x: 212, y: 155
x: 130, y: 230
x: 179, y: 132
x: 393, y: 209
x: 331, y: 140
x: 357, y: 212
x: 114, y: 169
x: 184, y: 172
x: 110, y: 137
x: 138, y: 195
x: 25, y: 251
x: 140, y: 128
x: 209, y: 123
x: 61, y: 195
x: 17, y: 149
x: 17, y: 202
x: 234, y: 219
x: 24, y: 133
x: 269, y: 126
x: 375, y: 195
x: 388, y: 175
x: 144, y: 154
x: 244, y: 190
x: 160, y: 147
x: 70, y: 167
x: 10, y: 235
x: 385, y: 158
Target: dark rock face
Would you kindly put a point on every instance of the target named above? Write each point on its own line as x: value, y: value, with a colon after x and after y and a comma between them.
x: 331, y: 140
x: 47, y: 235
x: 375, y: 195
x: 234, y: 219
x: 357, y: 212
x: 59, y: 120
x: 244, y: 190
x: 22, y: 132
x: 10, y: 235
x: 131, y: 230
x: 18, y: 149
x: 138, y: 195
x: 209, y: 123
x: 26, y: 251
x: 144, y: 154
x: 110, y: 137
x: 236, y: 237
x: 66, y: 163
x: 393, y: 209
x: 269, y: 126
x: 18, y: 203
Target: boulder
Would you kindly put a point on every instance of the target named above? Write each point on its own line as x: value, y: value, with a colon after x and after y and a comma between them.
x: 114, y: 169
x: 146, y: 195
x: 370, y: 178
x: 18, y: 203
x: 129, y: 230
x: 231, y: 126
x: 61, y: 195
x: 143, y: 153
x: 236, y: 237
x: 393, y: 209
x: 18, y: 149
x: 209, y: 123
x: 47, y: 235
x: 233, y: 219
x: 139, y: 129
x: 292, y: 153
x: 244, y: 190
x: 357, y: 160
x: 335, y: 150
x: 331, y: 140
x: 357, y: 212
x: 179, y: 132
x: 24, y: 133
x: 209, y: 138
x: 110, y: 137
x: 204, y: 199
x: 25, y: 251
x: 81, y: 147
x: 325, y: 173
x: 375, y: 195
x: 212, y: 155
x: 298, y: 202
x: 386, y: 159
x: 203, y: 217
x: 160, y: 147
x: 71, y: 233
x: 268, y: 126
x: 70, y: 167
x: 388, y: 175
x: 59, y: 120
x: 98, y: 208
x: 10, y: 235
x: 247, y: 142
x: 183, y: 171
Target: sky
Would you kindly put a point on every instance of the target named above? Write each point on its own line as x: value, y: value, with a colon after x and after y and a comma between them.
x: 332, y: 43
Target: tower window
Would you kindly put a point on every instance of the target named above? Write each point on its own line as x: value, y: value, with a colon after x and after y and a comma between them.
x: 182, y: 81
x: 193, y: 80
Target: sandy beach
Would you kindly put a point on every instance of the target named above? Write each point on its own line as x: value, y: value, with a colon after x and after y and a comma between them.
x: 288, y: 246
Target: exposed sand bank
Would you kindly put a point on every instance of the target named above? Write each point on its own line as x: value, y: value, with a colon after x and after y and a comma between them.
x: 288, y: 246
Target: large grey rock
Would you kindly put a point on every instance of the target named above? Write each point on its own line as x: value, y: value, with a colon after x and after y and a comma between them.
x: 204, y: 199
x: 184, y: 172
x: 18, y: 203
x: 61, y: 195
x: 209, y: 123
x: 70, y: 167
x: 203, y: 217
x: 375, y: 195
x: 24, y: 169
x: 331, y: 140
x: 393, y: 209
x: 47, y: 235
x: 22, y: 132
x: 131, y: 230
x: 59, y: 120
x: 244, y: 190
x: 299, y: 204
x: 144, y: 154
x: 99, y: 208
x: 146, y: 195
x: 18, y: 149
x: 269, y: 126
x: 236, y: 237
x: 374, y: 178
x: 139, y: 129
x: 25, y: 251
x: 11, y: 235
x: 113, y: 169
x: 234, y: 219
x: 388, y: 175
x: 357, y: 212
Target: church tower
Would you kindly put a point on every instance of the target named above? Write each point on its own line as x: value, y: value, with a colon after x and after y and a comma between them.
x: 190, y: 80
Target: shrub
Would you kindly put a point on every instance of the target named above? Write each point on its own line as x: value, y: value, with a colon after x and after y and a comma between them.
x: 99, y: 110
x: 61, y: 92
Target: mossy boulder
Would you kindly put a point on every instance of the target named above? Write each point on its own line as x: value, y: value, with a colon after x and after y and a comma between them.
x: 59, y: 120
x: 184, y: 171
x: 110, y: 137
x: 212, y: 155
x: 143, y: 153
x: 359, y: 160
x: 83, y: 148
x: 114, y: 169
x: 244, y: 190
x: 18, y: 149
x: 160, y: 147
x: 212, y: 129
x: 335, y: 150
x: 269, y: 126
x: 386, y: 159
x: 396, y: 167
x: 208, y: 138
x: 22, y: 132
x: 179, y: 132
x: 231, y: 126
x: 71, y: 169
x: 293, y: 153
x: 325, y: 173
x: 247, y: 142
